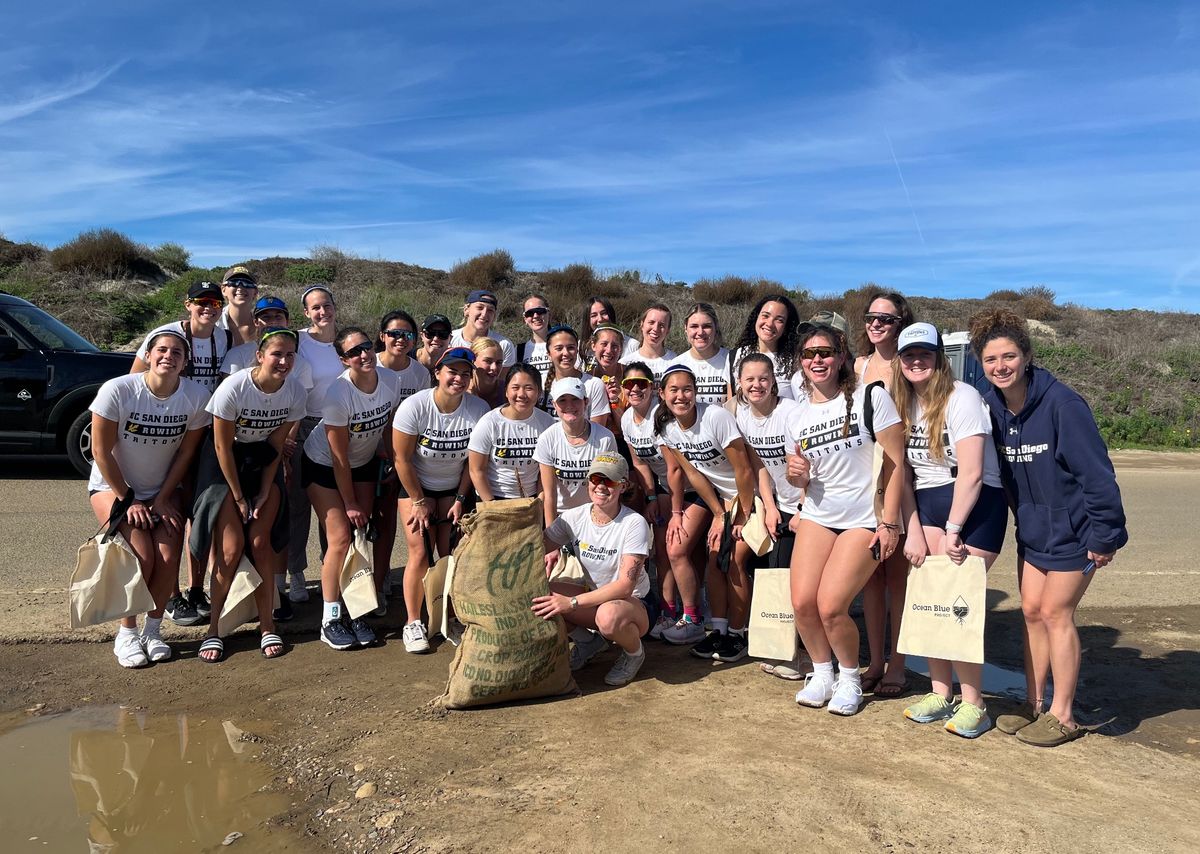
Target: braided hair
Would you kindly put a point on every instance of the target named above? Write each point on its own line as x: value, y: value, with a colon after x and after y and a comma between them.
x: 847, y: 381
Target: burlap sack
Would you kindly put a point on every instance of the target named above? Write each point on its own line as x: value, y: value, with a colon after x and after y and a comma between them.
x: 507, y: 652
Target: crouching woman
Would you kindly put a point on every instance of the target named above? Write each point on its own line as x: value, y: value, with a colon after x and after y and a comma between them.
x: 612, y: 543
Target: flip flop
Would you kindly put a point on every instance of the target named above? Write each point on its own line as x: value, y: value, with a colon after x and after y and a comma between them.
x: 213, y: 644
x: 269, y: 640
x: 890, y: 690
x: 781, y: 671
x: 870, y: 682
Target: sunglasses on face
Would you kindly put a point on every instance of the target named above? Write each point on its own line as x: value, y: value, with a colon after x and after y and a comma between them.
x: 881, y: 319
x: 601, y: 480
x: 205, y: 302
x: 400, y: 333
x: 241, y: 285
x: 358, y: 350
x: 640, y: 383
x: 536, y: 312
x: 814, y: 352
x: 433, y: 334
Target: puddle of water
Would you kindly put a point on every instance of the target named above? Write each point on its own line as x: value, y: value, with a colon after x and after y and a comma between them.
x: 113, y: 780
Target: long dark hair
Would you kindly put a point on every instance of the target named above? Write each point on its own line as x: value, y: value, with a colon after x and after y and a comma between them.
x: 785, y: 350
x: 865, y: 347
x: 344, y: 333
x: 395, y: 314
x: 847, y: 381
x: 552, y: 370
x: 585, y: 323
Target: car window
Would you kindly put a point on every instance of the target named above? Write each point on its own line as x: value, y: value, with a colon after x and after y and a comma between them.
x: 47, y: 330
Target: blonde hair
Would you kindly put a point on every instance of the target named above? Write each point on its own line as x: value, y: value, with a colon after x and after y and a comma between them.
x: 935, y: 403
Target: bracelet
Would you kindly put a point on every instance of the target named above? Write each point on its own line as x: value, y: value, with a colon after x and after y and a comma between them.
x: 887, y: 525
x: 653, y: 497
x: 676, y: 512
x: 419, y: 502
x: 951, y: 528
x: 239, y: 500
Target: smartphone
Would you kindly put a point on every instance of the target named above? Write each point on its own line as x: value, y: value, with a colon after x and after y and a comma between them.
x: 876, y: 552
x: 1089, y: 566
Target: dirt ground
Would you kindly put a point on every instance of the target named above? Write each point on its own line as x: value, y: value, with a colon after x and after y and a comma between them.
x: 690, y: 754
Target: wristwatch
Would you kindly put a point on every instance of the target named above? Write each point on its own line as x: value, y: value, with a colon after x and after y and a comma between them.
x: 460, y: 498
x: 574, y: 603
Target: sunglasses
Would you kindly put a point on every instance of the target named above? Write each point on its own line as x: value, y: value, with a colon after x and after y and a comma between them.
x: 406, y: 334
x: 206, y: 302
x: 601, y: 480
x: 242, y: 285
x: 435, y: 333
x: 881, y: 319
x: 535, y: 312
x: 814, y: 352
x: 358, y: 350
x: 640, y: 383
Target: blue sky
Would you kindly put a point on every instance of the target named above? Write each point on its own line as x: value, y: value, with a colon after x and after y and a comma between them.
x: 947, y: 149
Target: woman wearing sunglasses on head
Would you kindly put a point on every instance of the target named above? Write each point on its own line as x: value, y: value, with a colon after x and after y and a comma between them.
x: 566, y: 449
x: 706, y: 359
x: 500, y: 453
x: 707, y: 468
x: 430, y: 434
x: 650, y: 473
x: 341, y: 467
x: 770, y: 330
x: 563, y: 347
x: 883, y: 597
x: 839, y: 540
x: 612, y: 543
x: 654, y: 326
x: 239, y: 484
x: 145, y: 431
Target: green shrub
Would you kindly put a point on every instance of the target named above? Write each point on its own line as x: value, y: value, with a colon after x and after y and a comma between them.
x: 309, y: 273
x: 172, y: 257
x: 488, y: 272
x: 103, y: 252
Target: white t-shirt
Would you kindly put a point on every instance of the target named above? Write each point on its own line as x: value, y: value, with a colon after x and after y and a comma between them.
x: 704, y: 443
x: 597, y: 398
x: 571, y: 462
x: 255, y: 413
x: 966, y: 415
x: 204, y: 364
x: 769, y: 439
x: 508, y: 445
x: 507, y: 348
x: 797, y: 385
x: 841, y: 491
x: 366, y: 415
x: 149, y: 429
x: 242, y: 356
x: 601, y: 547
x: 442, y: 437
x: 712, y: 375
x: 414, y: 378
x: 644, y: 444
x: 783, y: 380
x: 656, y: 364
x: 326, y: 367
x: 537, y: 357
x: 632, y: 345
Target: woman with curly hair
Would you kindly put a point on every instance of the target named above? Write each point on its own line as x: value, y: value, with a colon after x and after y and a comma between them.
x: 771, y: 329
x: 1061, y: 485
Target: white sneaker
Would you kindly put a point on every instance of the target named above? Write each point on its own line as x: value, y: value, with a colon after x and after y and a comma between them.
x: 661, y: 625
x: 156, y: 648
x: 582, y: 653
x: 847, y: 697
x: 128, y: 650
x: 816, y: 691
x: 684, y: 632
x: 626, y: 668
x: 297, y: 592
x: 415, y: 639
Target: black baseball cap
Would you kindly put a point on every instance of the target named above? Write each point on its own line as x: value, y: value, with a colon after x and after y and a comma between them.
x: 436, y: 320
x: 205, y: 290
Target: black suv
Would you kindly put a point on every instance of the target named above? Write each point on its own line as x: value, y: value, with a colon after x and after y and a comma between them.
x: 49, y: 375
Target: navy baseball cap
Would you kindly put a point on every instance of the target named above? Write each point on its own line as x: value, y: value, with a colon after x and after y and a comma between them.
x: 482, y: 296
x: 456, y: 354
x: 270, y: 304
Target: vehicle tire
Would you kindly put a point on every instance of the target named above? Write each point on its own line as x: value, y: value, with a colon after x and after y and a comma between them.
x: 79, y: 442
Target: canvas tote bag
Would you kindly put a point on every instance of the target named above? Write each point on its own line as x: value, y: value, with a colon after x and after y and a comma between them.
x: 436, y: 591
x: 240, y: 606
x: 772, y: 620
x: 944, y: 610
x: 107, y: 583
x: 358, y: 575
x: 754, y: 532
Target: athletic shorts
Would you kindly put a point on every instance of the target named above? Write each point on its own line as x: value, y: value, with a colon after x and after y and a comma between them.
x: 312, y: 472
x: 985, y: 526
x: 429, y: 493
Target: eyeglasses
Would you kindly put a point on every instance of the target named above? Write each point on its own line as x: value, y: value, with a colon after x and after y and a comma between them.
x: 601, y: 480
x: 435, y: 333
x: 640, y: 383
x: 880, y: 318
x: 406, y: 334
x: 206, y: 302
x: 814, y: 352
x: 358, y: 350
x: 535, y: 312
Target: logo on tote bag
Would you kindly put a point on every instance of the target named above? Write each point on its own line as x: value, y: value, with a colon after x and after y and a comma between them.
x: 961, y: 609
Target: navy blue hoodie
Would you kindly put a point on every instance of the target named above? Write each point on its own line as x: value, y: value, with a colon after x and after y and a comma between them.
x: 1057, y: 474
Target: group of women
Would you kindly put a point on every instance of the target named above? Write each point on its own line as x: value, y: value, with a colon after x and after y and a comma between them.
x: 642, y: 456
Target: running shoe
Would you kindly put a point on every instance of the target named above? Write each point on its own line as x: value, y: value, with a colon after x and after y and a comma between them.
x: 732, y: 648
x: 684, y: 632
x: 199, y: 600
x: 816, y: 691
x: 582, y: 653
x: 931, y: 707
x: 284, y: 612
x: 336, y: 634
x: 708, y: 647
x: 415, y: 639
x: 297, y: 592
x: 969, y: 721
x: 626, y: 668
x: 181, y: 612
x: 363, y: 633
x: 847, y: 697
x: 128, y: 650
x: 156, y: 648
x: 661, y: 625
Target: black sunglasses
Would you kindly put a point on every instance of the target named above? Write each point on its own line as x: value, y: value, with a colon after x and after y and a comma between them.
x: 814, y: 352
x: 435, y: 333
x: 406, y: 334
x: 880, y: 318
x: 534, y: 312
x: 358, y: 350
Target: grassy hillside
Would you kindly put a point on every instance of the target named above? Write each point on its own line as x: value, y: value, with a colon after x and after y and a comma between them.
x: 1139, y: 370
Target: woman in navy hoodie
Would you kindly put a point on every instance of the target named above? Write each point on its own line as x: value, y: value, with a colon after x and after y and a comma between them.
x: 1070, y: 521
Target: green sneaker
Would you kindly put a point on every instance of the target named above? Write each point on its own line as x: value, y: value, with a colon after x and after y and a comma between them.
x: 969, y: 721
x: 931, y: 707
x: 1016, y: 720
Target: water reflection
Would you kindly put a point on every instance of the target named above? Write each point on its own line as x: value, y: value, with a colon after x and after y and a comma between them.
x: 115, y: 780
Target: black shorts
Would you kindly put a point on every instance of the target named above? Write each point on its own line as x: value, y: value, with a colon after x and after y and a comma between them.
x: 312, y: 472
x: 985, y: 526
x: 780, y: 554
x: 428, y: 493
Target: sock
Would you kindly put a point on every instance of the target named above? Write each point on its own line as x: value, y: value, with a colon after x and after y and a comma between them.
x: 720, y: 624
x: 739, y: 632
x: 579, y: 634
x: 691, y: 613
x: 152, y: 628
x: 669, y: 609
x: 125, y: 631
x: 330, y: 611
x: 823, y: 670
x: 641, y: 650
x: 851, y: 675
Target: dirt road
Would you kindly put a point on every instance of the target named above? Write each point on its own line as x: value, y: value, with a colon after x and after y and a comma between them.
x: 688, y: 755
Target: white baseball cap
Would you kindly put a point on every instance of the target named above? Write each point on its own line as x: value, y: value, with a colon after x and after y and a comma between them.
x: 572, y: 386
x: 919, y: 335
